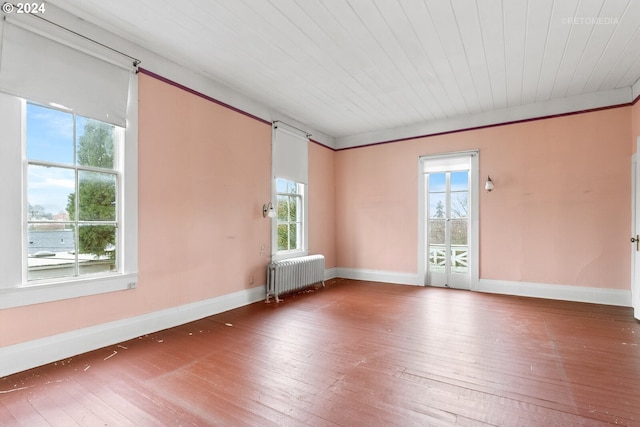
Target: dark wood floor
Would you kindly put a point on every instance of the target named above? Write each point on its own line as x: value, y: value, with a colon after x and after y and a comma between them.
x: 354, y: 354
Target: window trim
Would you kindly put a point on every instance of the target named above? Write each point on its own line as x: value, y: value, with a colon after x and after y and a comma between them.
x: 304, y: 250
x: 15, y: 290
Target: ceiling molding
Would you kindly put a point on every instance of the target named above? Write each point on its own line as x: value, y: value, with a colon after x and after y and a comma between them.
x: 636, y: 90
x: 557, y: 107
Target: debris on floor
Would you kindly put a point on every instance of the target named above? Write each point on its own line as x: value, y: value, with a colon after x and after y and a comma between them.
x: 111, y: 355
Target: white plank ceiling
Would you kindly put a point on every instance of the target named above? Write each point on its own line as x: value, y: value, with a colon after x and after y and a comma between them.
x: 365, y: 67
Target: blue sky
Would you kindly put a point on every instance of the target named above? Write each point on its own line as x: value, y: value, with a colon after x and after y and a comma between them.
x: 459, y: 183
x: 50, y: 137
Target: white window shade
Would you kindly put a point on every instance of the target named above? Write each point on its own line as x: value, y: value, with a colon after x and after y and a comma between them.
x: 290, y: 155
x: 46, y: 71
x: 447, y: 163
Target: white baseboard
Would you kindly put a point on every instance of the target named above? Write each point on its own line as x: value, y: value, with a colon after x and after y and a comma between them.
x: 330, y: 273
x: 606, y: 296
x: 27, y: 355
x: 378, y: 276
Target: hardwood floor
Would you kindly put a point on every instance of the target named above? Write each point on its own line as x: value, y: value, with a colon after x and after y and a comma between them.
x: 354, y: 354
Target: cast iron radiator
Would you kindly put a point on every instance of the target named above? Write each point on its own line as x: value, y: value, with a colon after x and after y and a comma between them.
x: 293, y: 274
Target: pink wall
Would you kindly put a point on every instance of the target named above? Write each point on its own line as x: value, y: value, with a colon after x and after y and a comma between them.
x: 560, y: 213
x: 322, y: 210
x: 204, y: 176
x: 204, y: 173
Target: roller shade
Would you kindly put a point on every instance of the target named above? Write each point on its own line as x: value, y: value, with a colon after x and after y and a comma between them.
x: 43, y: 70
x: 447, y: 162
x: 290, y: 155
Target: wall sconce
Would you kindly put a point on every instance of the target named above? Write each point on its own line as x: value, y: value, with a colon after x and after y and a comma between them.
x: 489, y: 184
x: 268, y: 211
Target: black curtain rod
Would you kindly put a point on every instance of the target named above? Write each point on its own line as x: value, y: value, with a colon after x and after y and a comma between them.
x: 287, y: 124
x: 136, y: 61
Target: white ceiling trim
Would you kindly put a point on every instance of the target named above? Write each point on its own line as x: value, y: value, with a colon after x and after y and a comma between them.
x: 636, y: 90
x: 579, y: 103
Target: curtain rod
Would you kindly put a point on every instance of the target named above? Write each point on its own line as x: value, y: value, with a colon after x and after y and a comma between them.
x: 6, y: 11
x: 293, y: 127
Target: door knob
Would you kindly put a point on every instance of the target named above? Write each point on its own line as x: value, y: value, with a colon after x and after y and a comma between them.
x: 636, y: 240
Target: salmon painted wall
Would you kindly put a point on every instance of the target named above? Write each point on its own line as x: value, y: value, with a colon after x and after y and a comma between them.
x: 322, y: 211
x: 204, y: 174
x: 560, y: 212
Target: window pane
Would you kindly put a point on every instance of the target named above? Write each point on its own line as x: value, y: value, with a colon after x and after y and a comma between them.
x: 437, y: 207
x: 51, y: 251
x: 283, y: 237
x: 95, y: 143
x: 459, y: 181
x: 49, y: 135
x: 97, y: 200
x: 459, y: 259
x: 45, y: 239
x: 283, y: 208
x: 49, y: 192
x: 459, y: 232
x: 460, y: 204
x: 437, y: 260
x: 293, y: 209
x: 437, y: 182
x: 97, y: 242
x: 436, y: 232
x: 281, y: 185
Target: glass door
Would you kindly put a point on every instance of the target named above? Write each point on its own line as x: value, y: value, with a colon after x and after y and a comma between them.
x: 447, y: 228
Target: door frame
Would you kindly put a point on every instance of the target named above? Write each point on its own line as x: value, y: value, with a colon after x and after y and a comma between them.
x: 635, y: 230
x: 474, y: 223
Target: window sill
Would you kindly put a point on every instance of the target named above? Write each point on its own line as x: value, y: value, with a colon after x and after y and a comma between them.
x: 37, y: 294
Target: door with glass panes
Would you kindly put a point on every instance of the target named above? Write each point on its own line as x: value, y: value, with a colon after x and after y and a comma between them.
x: 447, y: 199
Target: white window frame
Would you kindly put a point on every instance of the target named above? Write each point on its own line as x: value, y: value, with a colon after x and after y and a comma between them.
x: 115, y: 171
x: 15, y: 289
x: 301, y: 230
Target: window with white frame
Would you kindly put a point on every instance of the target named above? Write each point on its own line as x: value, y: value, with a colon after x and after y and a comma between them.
x: 72, y: 194
x: 290, y: 214
x: 68, y: 164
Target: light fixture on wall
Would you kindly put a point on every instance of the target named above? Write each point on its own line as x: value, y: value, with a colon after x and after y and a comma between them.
x: 268, y: 211
x: 489, y: 184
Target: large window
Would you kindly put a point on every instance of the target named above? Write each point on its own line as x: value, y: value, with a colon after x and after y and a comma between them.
x: 72, y: 194
x: 68, y: 165
x: 290, y: 209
